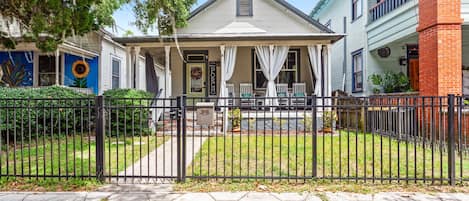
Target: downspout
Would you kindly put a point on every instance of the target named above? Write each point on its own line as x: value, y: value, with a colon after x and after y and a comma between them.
x: 344, y: 63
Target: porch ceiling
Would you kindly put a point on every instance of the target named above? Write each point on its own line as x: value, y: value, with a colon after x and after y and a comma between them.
x: 210, y: 40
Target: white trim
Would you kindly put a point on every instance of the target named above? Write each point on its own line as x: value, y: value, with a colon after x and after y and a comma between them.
x: 57, y: 67
x: 36, y: 69
x: 77, y: 51
x: 167, y: 77
x: 62, y: 63
x: 109, y: 39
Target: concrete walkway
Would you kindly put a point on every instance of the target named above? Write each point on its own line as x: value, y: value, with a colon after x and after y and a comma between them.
x: 223, y: 196
x: 161, y: 162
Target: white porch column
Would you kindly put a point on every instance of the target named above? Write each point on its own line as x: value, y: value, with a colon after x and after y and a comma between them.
x: 57, y: 67
x: 222, y: 86
x: 328, y: 76
x: 222, y: 74
x: 167, y: 76
x: 135, y: 73
x: 319, y: 84
x: 128, y: 52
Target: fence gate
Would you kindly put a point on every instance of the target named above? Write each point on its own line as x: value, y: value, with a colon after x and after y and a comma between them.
x: 138, y: 140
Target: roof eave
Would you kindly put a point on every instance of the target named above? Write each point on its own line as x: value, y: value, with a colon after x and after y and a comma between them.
x: 319, y: 6
x: 200, y: 8
x: 302, y: 15
x: 234, y: 37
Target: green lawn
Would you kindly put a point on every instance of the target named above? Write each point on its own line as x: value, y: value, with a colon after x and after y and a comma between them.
x: 74, y: 155
x: 345, y: 155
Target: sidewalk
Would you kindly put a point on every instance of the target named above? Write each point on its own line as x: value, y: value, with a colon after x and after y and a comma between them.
x: 223, y: 196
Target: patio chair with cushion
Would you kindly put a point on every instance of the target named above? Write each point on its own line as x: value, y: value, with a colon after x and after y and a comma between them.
x: 231, y: 94
x: 298, y: 97
x: 247, y: 97
x: 282, y: 94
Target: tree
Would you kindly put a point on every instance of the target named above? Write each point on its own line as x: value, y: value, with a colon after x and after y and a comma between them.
x: 49, y: 23
x: 166, y: 14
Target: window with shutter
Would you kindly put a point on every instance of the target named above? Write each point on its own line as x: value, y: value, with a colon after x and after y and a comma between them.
x: 244, y: 8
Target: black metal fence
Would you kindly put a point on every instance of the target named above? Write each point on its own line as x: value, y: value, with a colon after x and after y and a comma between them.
x: 298, y: 139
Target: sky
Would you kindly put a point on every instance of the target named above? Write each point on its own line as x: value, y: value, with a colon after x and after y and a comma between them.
x: 124, y: 17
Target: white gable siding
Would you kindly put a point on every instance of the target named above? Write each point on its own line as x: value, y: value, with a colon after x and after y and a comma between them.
x: 335, y: 11
x: 267, y: 15
x: 109, y: 51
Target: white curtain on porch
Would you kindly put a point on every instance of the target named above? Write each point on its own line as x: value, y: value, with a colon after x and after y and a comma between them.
x: 315, y: 60
x: 271, y: 59
x: 321, y: 68
x: 228, y: 60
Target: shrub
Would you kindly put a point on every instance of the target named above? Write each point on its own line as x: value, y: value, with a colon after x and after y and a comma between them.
x: 129, y: 111
x: 43, y: 110
x: 390, y: 82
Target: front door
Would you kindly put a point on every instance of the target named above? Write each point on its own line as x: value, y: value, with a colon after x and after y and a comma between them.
x: 414, y: 73
x: 195, y: 79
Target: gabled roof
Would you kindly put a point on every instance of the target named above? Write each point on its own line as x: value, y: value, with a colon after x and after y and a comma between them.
x: 284, y: 3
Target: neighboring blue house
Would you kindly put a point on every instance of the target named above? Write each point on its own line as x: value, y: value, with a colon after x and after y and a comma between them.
x: 92, y: 63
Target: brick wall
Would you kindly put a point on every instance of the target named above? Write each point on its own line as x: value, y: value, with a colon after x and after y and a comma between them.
x: 440, y: 44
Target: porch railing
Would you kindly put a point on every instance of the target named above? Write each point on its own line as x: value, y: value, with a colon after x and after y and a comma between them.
x: 384, y: 7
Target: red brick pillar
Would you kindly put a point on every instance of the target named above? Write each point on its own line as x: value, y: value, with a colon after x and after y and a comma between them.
x: 440, y: 45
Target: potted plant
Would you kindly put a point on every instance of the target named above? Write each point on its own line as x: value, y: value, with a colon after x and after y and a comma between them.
x: 235, y: 119
x: 329, y: 118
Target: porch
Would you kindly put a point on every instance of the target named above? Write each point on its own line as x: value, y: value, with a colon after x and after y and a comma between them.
x: 201, y: 66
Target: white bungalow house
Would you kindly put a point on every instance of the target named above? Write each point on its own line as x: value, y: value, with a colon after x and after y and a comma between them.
x: 261, y: 42
x: 92, y: 63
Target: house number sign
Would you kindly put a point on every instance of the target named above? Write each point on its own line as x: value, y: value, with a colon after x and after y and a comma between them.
x: 212, y: 72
